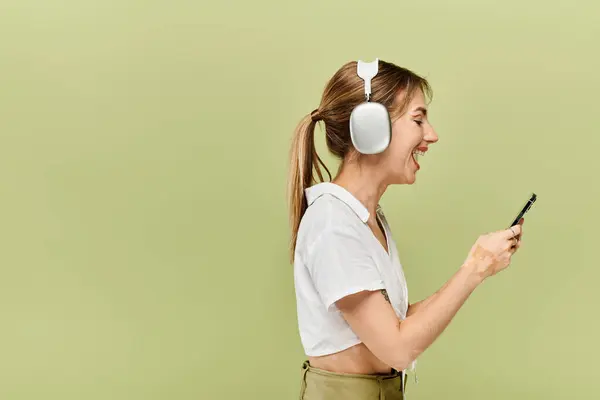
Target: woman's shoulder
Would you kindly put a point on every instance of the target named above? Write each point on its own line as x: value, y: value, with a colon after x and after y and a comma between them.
x: 329, y: 211
x: 327, y: 216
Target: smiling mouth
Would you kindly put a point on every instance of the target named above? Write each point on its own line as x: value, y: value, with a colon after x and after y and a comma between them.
x: 415, y: 156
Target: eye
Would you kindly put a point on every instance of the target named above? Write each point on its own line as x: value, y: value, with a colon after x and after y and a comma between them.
x: 418, y: 122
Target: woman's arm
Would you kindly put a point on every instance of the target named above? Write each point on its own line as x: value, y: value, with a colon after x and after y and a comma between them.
x: 397, y: 344
x: 373, y: 319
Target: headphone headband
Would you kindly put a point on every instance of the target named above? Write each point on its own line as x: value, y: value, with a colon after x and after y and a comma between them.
x: 367, y: 71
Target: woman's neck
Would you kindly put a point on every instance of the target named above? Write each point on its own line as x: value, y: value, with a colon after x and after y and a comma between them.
x: 363, y: 183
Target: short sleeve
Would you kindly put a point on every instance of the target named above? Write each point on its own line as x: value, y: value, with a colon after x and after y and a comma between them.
x: 340, y: 265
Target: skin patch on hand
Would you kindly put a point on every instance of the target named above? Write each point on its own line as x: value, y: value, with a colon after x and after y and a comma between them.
x: 481, y: 254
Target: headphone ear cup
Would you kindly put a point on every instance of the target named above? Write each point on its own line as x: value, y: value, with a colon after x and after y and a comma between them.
x: 370, y: 128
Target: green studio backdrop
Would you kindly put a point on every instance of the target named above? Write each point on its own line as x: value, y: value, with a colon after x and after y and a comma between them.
x: 143, y: 159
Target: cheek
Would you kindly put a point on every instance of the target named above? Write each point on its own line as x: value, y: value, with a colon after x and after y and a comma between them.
x: 403, y: 143
x: 405, y: 133
x: 400, y: 150
x: 398, y: 155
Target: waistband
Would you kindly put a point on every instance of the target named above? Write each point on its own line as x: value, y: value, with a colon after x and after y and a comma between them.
x: 393, y: 374
x: 364, y: 386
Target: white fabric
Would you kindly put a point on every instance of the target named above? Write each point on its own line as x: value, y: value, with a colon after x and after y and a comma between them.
x: 337, y: 254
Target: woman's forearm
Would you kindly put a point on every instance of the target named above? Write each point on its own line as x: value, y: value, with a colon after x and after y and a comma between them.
x: 421, y: 328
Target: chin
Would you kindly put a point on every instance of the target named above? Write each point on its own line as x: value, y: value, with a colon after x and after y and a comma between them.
x: 405, y: 179
x: 410, y: 179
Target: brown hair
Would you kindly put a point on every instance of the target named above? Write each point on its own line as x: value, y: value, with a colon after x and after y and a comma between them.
x: 343, y: 92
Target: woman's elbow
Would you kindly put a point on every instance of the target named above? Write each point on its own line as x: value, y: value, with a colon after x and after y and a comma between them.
x: 403, y: 358
x: 402, y: 362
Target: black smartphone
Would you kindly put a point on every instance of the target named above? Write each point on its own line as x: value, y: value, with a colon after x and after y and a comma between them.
x: 525, y: 208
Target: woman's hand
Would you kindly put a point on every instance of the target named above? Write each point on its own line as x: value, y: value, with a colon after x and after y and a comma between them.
x: 492, y: 252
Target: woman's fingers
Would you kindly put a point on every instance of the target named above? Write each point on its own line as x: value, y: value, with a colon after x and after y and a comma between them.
x: 513, y: 231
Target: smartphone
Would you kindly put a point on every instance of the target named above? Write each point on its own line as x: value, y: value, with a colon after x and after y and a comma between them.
x: 525, y: 208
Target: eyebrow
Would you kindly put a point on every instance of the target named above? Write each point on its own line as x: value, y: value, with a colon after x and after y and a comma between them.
x: 421, y: 109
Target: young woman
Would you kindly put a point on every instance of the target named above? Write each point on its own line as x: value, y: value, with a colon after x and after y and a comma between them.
x: 358, y: 330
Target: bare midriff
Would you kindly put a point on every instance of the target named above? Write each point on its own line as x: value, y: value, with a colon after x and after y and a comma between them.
x: 357, y: 359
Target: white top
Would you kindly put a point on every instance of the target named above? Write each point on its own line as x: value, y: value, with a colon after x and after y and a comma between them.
x: 337, y: 254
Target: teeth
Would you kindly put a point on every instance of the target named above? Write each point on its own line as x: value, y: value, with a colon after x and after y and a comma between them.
x: 418, y: 153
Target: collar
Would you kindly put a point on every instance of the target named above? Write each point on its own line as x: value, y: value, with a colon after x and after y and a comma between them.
x: 314, y: 192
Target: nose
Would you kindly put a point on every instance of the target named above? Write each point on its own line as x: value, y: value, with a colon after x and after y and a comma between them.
x: 431, y: 135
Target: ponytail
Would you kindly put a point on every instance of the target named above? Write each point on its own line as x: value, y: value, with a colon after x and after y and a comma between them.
x: 303, y: 159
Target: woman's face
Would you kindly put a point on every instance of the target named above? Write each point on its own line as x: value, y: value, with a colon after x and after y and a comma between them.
x: 412, y: 134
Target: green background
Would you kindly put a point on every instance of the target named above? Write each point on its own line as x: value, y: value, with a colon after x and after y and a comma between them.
x: 143, y: 159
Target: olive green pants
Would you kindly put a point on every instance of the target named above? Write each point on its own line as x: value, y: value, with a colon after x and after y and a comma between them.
x: 318, y: 384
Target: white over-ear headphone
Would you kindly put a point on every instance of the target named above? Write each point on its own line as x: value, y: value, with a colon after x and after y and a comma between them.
x: 370, y: 125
